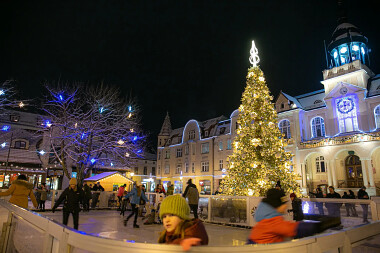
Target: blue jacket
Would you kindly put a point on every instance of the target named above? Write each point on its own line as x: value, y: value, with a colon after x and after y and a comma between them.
x: 136, y: 199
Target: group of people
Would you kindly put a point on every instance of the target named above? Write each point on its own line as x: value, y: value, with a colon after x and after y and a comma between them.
x: 333, y: 209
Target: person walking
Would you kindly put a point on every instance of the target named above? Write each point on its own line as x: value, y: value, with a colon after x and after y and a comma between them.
x: 333, y: 208
x: 170, y: 190
x: 120, y: 194
x: 319, y: 194
x: 72, y: 197
x: 362, y: 194
x: 43, y: 196
x: 192, y: 195
x: 87, y: 197
x: 20, y: 190
x: 137, y: 194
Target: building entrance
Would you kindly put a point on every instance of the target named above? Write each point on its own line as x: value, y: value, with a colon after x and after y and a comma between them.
x: 354, y: 172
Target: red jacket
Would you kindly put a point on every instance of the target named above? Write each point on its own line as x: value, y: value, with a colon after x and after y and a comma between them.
x: 271, y: 226
x: 195, y: 230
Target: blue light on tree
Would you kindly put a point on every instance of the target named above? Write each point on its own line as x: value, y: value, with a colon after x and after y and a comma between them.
x: 2, y: 92
x: 3, y: 144
x: 5, y: 128
x: 42, y: 152
x: 60, y: 97
x: 101, y: 110
x: 139, y: 151
x: 112, y: 164
x: 130, y: 108
x: 135, y: 138
x: 93, y: 160
x: 47, y: 123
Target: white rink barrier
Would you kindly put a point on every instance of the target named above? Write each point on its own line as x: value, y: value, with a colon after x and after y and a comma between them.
x: 27, y: 232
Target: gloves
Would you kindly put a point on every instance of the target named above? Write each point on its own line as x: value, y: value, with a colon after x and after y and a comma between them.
x: 187, y: 243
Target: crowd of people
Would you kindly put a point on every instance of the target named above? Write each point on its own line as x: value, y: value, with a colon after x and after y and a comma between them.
x: 174, y: 210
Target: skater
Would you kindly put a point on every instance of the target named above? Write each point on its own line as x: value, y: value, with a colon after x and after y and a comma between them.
x: 296, y: 207
x: 271, y: 226
x: 333, y: 208
x: 87, y: 197
x: 20, y: 190
x: 178, y: 228
x: 43, y: 197
x: 71, y: 196
x: 136, y: 195
x: 120, y: 194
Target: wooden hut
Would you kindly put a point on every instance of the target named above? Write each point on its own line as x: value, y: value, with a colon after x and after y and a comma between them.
x: 110, y: 180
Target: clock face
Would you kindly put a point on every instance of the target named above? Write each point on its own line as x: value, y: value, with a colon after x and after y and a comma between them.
x: 346, y: 105
x: 343, y: 90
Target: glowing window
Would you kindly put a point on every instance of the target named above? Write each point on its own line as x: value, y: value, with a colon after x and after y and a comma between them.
x: 377, y: 116
x: 284, y: 126
x: 347, y: 114
x: 318, y: 127
x: 320, y: 164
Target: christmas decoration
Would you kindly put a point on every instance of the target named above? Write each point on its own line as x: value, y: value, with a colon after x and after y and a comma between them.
x: 259, y: 159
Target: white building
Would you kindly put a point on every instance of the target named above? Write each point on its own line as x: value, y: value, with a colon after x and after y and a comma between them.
x: 334, y: 133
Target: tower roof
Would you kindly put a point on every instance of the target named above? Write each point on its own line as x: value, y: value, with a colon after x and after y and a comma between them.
x: 166, y: 126
x: 346, y: 32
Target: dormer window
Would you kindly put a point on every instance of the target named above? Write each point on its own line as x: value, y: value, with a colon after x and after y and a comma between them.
x: 20, y: 144
x: 14, y: 118
x: 317, y: 101
x: 206, y: 133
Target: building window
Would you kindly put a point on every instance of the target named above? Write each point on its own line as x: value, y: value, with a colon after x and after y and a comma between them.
x: 178, y: 169
x: 136, y: 171
x: 145, y: 171
x: 320, y: 164
x: 220, y: 146
x: 153, y: 171
x: 229, y: 146
x: 20, y: 144
x: 167, y: 168
x: 192, y: 167
x: 377, y: 116
x: 220, y: 164
x: 317, y: 127
x: 284, y: 126
x: 186, y: 149
x: 15, y: 118
x: 159, y: 170
x: 204, y: 166
x: 159, y: 155
x: 179, y: 152
x: 205, y: 148
x: 167, y: 154
x: 192, y: 135
x: 282, y: 106
x: 222, y: 130
x: 206, y: 133
x: 347, y: 115
x: 186, y: 167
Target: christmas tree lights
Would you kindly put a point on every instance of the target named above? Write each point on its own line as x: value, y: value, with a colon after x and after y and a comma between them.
x: 259, y: 158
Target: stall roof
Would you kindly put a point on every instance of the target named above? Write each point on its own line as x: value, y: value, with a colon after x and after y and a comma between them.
x: 104, y: 175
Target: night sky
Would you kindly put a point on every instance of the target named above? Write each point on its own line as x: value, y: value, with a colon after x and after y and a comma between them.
x: 186, y: 57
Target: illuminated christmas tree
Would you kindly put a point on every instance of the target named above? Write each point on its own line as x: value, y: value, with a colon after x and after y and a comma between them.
x: 259, y: 158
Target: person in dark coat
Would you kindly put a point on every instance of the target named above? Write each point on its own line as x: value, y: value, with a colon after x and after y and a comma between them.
x: 296, y: 207
x: 87, y: 197
x: 192, y: 195
x: 353, y: 207
x: 95, y: 196
x: 72, y: 196
x: 362, y: 194
x: 319, y: 194
x: 333, y: 208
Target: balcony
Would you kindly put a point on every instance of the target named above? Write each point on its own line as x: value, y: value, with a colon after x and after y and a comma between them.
x: 340, y: 140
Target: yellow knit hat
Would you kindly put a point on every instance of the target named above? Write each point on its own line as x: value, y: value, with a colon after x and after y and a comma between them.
x: 175, y: 205
x: 73, y: 180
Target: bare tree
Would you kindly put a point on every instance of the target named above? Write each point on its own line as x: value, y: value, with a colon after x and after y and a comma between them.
x: 92, y: 127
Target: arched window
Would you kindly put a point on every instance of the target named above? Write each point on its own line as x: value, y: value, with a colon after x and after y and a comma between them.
x: 320, y: 164
x: 317, y: 127
x: 377, y: 116
x: 284, y: 126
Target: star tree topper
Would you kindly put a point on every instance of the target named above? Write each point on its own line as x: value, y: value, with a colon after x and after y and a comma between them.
x: 254, y: 58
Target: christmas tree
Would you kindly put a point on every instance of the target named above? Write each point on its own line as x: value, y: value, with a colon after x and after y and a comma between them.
x: 259, y: 158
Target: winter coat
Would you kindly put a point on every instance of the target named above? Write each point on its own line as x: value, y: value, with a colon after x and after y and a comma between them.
x: 192, y: 195
x: 136, y: 199
x: 71, y: 200
x: 43, y: 194
x: 120, y: 193
x: 195, y: 229
x: 334, y: 195
x: 170, y: 190
x: 271, y: 226
x: 362, y: 194
x: 297, y: 209
x: 87, y: 191
x: 98, y: 188
x: 20, y: 190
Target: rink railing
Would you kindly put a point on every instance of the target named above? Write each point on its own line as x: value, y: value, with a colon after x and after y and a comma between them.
x: 26, y: 231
